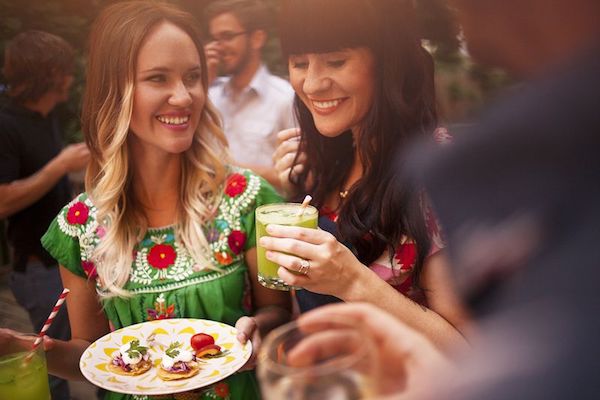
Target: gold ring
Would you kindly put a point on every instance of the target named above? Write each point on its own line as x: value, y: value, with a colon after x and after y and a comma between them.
x: 304, y: 267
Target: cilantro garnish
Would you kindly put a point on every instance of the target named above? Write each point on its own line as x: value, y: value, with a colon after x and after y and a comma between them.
x: 135, y: 350
x: 173, y: 350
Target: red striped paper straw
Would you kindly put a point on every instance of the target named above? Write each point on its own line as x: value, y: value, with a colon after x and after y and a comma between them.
x: 40, y: 337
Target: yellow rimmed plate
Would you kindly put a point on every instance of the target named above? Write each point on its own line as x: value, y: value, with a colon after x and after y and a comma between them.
x: 98, y: 355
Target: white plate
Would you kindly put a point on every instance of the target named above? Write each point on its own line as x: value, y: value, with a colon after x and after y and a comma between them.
x: 95, y: 358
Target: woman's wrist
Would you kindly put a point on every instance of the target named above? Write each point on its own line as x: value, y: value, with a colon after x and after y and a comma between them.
x: 357, y: 280
x: 270, y: 317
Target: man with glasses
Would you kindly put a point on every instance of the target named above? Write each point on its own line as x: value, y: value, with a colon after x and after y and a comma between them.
x: 253, y: 103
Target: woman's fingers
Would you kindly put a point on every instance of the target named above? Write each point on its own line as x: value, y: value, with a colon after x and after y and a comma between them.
x: 308, y: 235
x: 285, y: 148
x: 293, y: 279
x: 246, y: 327
x: 287, y: 134
x: 287, y: 261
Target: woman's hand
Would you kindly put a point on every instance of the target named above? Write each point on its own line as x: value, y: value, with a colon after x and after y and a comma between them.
x: 283, y: 158
x: 25, y: 341
x: 248, y: 329
x: 315, y: 261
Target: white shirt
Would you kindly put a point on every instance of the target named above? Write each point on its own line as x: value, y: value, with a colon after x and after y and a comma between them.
x: 252, y: 119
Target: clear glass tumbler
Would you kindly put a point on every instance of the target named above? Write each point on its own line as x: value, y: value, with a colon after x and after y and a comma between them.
x: 333, y: 361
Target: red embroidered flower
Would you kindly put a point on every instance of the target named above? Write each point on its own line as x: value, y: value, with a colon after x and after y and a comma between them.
x: 161, y: 256
x: 236, y: 184
x: 78, y: 213
x: 222, y: 389
x: 406, y: 255
x: 90, y: 269
x: 223, y: 257
x: 236, y: 241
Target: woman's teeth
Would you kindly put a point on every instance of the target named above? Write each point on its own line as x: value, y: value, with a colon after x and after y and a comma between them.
x: 326, y: 104
x: 173, y: 120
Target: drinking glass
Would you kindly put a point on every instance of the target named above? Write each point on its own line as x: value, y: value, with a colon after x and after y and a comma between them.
x: 334, y: 361
x: 292, y: 214
x: 23, y: 377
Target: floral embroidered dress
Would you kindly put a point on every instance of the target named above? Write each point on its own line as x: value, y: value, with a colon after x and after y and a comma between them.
x: 165, y: 281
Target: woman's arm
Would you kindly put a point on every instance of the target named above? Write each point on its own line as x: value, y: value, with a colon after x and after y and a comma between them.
x: 272, y: 309
x: 87, y: 321
x: 334, y: 270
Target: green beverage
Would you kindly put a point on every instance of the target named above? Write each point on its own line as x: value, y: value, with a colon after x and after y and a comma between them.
x: 279, y: 214
x: 22, y: 378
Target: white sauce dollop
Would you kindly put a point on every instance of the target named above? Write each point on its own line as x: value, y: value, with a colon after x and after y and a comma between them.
x: 184, y: 356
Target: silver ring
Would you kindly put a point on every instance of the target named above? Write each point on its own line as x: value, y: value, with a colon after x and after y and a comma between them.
x: 304, y: 267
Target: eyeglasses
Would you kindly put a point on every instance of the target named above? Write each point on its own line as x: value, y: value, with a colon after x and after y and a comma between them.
x: 226, y: 36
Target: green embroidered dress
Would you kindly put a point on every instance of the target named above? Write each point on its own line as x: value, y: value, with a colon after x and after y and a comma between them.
x: 164, y: 281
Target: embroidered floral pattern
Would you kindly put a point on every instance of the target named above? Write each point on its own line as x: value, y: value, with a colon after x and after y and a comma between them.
x: 228, y: 244
x: 179, y: 262
x: 78, y: 213
x: 161, y: 310
x: 223, y: 257
x: 236, y: 241
x: 235, y: 185
x: 90, y: 269
x: 161, y: 256
x: 222, y: 390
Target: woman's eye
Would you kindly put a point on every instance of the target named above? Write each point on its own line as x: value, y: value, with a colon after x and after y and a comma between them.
x: 157, y: 78
x: 193, y: 77
x: 299, y: 64
x: 336, y: 63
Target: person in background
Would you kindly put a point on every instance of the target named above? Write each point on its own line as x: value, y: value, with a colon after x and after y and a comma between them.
x: 364, y: 88
x: 253, y: 103
x: 38, y: 67
x: 165, y: 228
x: 518, y: 196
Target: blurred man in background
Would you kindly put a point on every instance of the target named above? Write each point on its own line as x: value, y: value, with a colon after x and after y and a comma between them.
x: 254, y: 104
x: 517, y: 195
x: 38, y: 68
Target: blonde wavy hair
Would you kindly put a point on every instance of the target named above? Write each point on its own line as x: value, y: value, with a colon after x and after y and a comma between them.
x: 116, y: 38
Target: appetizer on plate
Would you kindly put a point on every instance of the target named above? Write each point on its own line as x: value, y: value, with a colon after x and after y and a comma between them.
x: 204, y: 346
x: 131, y: 359
x: 177, y: 363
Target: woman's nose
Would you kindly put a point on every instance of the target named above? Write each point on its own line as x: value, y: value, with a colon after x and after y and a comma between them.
x: 181, y: 96
x: 315, y: 81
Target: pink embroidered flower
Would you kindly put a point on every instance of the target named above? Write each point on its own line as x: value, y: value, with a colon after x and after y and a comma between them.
x: 236, y: 241
x: 161, y: 256
x: 406, y: 255
x: 100, y: 231
x: 222, y: 390
x: 235, y: 185
x: 90, y: 269
x: 223, y: 257
x: 78, y: 214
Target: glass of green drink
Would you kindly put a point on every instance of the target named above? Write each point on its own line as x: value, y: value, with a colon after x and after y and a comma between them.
x: 292, y: 214
x: 22, y: 378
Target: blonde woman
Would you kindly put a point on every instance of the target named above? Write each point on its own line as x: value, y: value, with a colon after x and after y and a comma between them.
x: 165, y: 228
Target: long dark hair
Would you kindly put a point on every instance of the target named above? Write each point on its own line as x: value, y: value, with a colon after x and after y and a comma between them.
x: 377, y: 211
